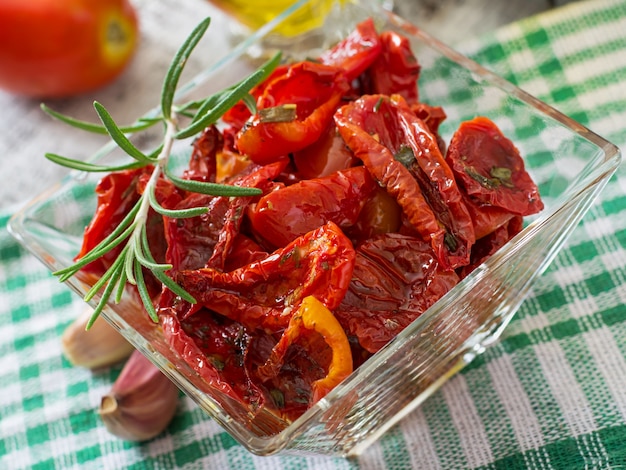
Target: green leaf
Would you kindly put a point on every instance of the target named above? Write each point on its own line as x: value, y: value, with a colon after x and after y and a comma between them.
x: 121, y: 287
x: 144, y: 294
x: 161, y: 276
x: 143, y: 255
x: 129, y: 264
x: 178, y: 64
x: 121, y: 232
x: 106, y: 294
x: 109, y: 274
x: 90, y: 167
x: 140, y: 125
x: 175, y: 288
x: 118, y: 136
x: 250, y: 103
x: 174, y: 214
x: 211, y: 111
x: 213, y: 189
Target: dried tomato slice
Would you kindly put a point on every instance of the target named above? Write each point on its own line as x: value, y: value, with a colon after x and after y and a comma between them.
x: 207, y: 239
x: 312, y: 315
x: 401, y: 153
x: 488, y: 245
x: 396, y: 278
x: 202, y: 163
x: 322, y: 158
x: 293, y: 112
x: 356, y: 52
x: 396, y: 69
x: 486, y: 218
x: 215, y: 347
x: 262, y: 293
x: 491, y: 169
x: 287, y: 213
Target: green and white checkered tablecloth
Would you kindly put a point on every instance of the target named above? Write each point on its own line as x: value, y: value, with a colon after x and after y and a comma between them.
x: 550, y: 395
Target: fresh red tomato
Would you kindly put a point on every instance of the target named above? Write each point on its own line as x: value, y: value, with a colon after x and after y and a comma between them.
x: 57, y: 48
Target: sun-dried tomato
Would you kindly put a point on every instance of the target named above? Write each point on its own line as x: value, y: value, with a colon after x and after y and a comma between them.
x: 396, y: 69
x: 396, y: 278
x: 356, y: 52
x: 312, y: 315
x: 491, y: 169
x: 215, y: 347
x: 202, y: 163
x: 403, y: 156
x: 287, y: 213
x: 489, y: 244
x: 262, y: 293
x: 206, y: 239
x: 293, y: 112
x: 325, y: 156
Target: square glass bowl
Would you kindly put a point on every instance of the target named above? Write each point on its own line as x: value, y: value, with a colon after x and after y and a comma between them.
x: 569, y: 163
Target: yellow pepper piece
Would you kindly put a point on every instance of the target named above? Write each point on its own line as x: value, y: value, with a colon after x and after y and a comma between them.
x: 315, y: 316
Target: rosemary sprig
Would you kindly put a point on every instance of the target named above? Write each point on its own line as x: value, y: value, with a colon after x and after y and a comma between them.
x: 130, y: 234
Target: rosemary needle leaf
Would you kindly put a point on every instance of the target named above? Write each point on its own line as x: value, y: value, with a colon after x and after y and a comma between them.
x: 121, y: 287
x: 129, y: 263
x: 146, y: 263
x: 161, y: 276
x: 90, y: 167
x: 213, y: 189
x: 106, y: 294
x: 145, y: 258
x: 118, y: 135
x: 174, y: 214
x: 250, y: 103
x: 175, y: 288
x: 106, y: 277
x: 178, y: 64
x: 142, y: 123
x: 121, y: 232
x: 144, y: 294
x: 210, y: 112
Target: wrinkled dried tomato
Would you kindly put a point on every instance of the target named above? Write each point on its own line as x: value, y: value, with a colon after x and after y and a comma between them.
x: 396, y: 278
x: 287, y: 213
x: 491, y: 169
x: 293, y: 112
x: 395, y: 70
x: 357, y: 52
x: 402, y: 154
x: 262, y: 293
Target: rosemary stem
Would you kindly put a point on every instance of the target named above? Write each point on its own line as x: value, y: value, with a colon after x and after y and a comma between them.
x: 141, y: 218
x: 162, y: 160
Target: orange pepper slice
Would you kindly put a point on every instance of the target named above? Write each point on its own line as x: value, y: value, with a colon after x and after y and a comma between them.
x: 314, y: 315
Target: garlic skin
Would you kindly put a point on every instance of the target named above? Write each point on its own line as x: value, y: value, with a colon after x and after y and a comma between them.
x: 101, y: 346
x: 141, y: 402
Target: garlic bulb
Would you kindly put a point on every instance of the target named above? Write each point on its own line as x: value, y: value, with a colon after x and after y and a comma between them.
x: 141, y: 403
x: 101, y: 346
